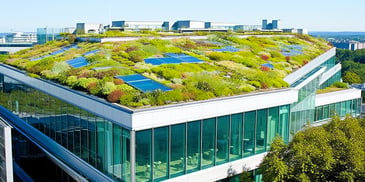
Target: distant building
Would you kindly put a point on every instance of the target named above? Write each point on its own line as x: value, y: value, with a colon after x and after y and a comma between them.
x: 188, y: 24
x: 48, y: 34
x: 247, y: 27
x: 294, y: 30
x: 352, y: 45
x: 18, y: 38
x: 13, y: 42
x: 88, y: 28
x: 270, y: 26
x: 139, y: 25
x: 223, y: 26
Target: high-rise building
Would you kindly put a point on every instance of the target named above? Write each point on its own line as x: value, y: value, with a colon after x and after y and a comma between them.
x: 274, y: 25
x: 264, y: 24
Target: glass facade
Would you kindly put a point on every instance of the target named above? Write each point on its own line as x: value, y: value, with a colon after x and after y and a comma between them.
x: 3, y: 164
x: 331, y: 62
x: 349, y: 107
x: 302, y: 111
x: 101, y: 143
x: 335, y: 78
x: 27, y: 155
x: 170, y: 151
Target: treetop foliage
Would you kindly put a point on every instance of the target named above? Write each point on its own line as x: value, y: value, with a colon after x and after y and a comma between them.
x: 332, y: 152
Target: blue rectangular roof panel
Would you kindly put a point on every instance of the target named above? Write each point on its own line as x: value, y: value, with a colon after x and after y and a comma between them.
x: 130, y: 78
x: 173, y: 58
x: 291, y: 50
x: 174, y: 55
x: 190, y: 59
x: 227, y: 49
x: 57, y: 52
x: 153, y: 61
x: 39, y: 58
x: 91, y: 52
x: 78, y: 62
x: 159, y: 61
x: 143, y: 83
x: 70, y: 47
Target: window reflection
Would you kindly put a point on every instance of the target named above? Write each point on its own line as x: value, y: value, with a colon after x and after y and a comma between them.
x: 86, y: 135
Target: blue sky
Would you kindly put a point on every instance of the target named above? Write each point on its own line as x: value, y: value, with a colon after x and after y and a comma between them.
x: 316, y: 15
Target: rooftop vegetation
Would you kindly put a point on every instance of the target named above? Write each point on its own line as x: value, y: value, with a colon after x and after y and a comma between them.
x: 221, y: 74
x: 337, y: 86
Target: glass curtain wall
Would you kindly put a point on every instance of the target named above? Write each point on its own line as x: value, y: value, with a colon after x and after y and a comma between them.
x: 170, y: 151
x: 302, y: 111
x: 335, y: 78
x: 349, y: 107
x: 193, y: 136
x: 96, y: 140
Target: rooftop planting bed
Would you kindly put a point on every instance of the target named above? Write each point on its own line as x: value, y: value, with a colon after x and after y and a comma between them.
x: 250, y: 64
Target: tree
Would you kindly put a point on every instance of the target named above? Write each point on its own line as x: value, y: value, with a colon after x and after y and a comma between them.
x: 333, y: 152
x: 351, y: 77
x: 273, y: 164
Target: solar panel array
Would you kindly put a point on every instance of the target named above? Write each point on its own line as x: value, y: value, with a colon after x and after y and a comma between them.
x: 91, y: 52
x: 62, y: 50
x: 78, y: 62
x: 173, y: 58
x: 143, y: 83
x: 291, y: 50
x: 227, y: 49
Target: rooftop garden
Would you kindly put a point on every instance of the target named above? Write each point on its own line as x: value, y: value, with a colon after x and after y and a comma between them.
x: 337, y: 86
x: 226, y: 66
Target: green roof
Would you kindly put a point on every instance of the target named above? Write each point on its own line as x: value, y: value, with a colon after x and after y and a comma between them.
x: 221, y: 73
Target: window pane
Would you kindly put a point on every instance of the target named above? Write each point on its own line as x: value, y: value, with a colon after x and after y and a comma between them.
x: 338, y: 109
x: 284, y: 123
x: 236, y: 136
x: 343, y: 108
x: 143, y: 155
x: 331, y: 110
x: 126, y: 160
x: 249, y: 133
x: 161, y: 153
x: 272, y: 125
x: 100, y: 138
x: 261, y: 127
x: 348, y: 107
x: 325, y: 112
x: 177, y: 161
x: 208, y: 142
x: 222, y: 139
x: 117, y: 151
x: 320, y: 113
x: 193, y: 146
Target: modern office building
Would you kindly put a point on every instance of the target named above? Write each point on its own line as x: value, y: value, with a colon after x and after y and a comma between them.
x: 218, y: 25
x: 89, y: 28
x: 139, y: 25
x: 274, y: 25
x: 352, y: 45
x: 188, y: 26
x: 84, y: 138
x: 13, y: 42
x: 48, y: 34
x: 294, y: 30
x: 238, y: 28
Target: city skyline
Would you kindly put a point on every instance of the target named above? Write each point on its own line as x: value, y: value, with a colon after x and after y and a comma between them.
x: 313, y: 15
